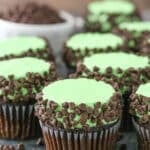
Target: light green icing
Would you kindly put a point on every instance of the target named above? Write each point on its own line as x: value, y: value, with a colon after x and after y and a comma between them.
x: 79, y: 91
x: 21, y: 44
x: 20, y: 66
x: 91, y: 41
x: 144, y: 90
x: 135, y: 26
x: 111, y: 7
x: 95, y: 18
x: 116, y: 60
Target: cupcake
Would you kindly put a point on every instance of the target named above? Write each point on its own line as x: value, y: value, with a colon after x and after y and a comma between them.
x: 79, y: 113
x: 20, y: 80
x: 22, y: 46
x: 32, y: 19
x: 135, y: 34
x: 125, y: 69
x: 140, y: 112
x: 103, y: 16
x: 86, y: 44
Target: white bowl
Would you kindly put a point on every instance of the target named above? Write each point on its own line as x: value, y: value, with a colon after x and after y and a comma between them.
x: 55, y: 33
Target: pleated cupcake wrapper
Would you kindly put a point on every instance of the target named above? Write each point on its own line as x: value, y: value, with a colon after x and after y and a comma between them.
x: 104, y: 139
x: 143, y: 135
x: 18, y: 122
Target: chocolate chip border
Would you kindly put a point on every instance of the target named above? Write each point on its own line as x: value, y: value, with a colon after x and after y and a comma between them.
x: 71, y: 56
x: 138, y: 105
x: 32, y: 80
x: 130, y: 79
x: 46, y: 54
x: 96, y: 26
x: 141, y: 44
x: 109, y: 112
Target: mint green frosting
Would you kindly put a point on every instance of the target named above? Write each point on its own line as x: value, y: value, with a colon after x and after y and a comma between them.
x: 135, y: 26
x: 116, y: 60
x: 20, y: 66
x: 20, y: 44
x: 111, y: 7
x: 79, y: 91
x: 144, y: 90
x: 91, y: 41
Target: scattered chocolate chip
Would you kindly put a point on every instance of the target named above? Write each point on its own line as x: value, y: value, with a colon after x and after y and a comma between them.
x: 40, y: 141
x: 20, y: 146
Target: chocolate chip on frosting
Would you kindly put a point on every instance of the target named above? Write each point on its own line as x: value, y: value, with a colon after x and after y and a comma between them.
x: 12, y: 88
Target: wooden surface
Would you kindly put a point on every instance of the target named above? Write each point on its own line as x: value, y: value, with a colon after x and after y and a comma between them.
x: 76, y: 7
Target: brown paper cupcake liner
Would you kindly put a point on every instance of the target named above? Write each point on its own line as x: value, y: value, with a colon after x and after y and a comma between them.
x: 143, y: 135
x: 103, y: 139
x: 17, y: 121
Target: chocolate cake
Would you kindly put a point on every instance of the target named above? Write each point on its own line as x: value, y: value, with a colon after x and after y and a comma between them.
x: 79, y: 113
x: 103, y: 16
x: 20, y: 80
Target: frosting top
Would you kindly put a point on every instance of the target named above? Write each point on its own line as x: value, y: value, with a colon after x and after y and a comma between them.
x: 115, y: 60
x: 20, y: 66
x: 81, y: 90
x: 20, y: 44
x: 82, y: 41
x: 135, y: 26
x: 111, y: 7
x: 144, y: 90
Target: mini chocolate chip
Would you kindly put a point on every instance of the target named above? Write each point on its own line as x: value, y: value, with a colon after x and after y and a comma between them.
x: 82, y: 107
x: 71, y: 106
x: 65, y: 105
x: 40, y: 141
x: 20, y: 146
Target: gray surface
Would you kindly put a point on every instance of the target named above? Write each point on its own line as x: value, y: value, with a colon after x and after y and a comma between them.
x: 129, y: 139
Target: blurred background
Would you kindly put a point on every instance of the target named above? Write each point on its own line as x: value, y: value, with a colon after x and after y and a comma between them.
x: 76, y: 7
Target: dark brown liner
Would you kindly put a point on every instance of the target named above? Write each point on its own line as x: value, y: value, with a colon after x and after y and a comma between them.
x: 17, y: 121
x: 46, y: 54
x: 103, y: 139
x: 143, y: 135
x: 71, y: 57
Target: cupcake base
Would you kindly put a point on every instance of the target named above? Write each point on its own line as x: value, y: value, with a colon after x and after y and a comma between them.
x: 103, y: 139
x: 143, y: 135
x: 17, y: 121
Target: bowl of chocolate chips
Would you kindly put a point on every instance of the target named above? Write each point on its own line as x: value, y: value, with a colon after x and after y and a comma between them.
x: 37, y: 20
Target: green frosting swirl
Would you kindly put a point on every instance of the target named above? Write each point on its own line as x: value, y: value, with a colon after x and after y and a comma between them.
x: 79, y: 91
x: 20, y: 66
x: 21, y: 44
x: 111, y: 7
x: 82, y: 41
x: 116, y: 60
x: 135, y: 26
x: 144, y: 90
